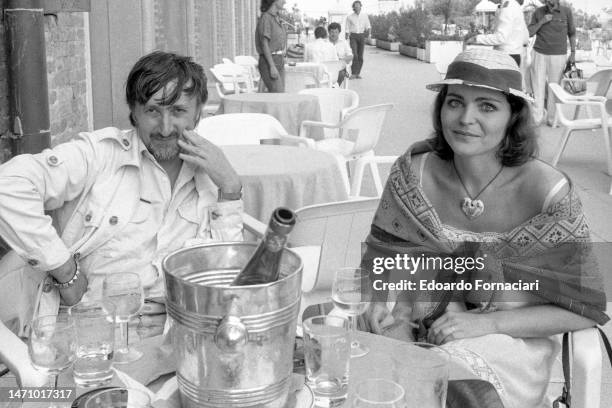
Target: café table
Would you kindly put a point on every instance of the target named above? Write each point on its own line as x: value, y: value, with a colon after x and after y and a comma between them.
x: 157, y: 365
x: 294, y: 177
x: 289, y: 109
x: 316, y: 69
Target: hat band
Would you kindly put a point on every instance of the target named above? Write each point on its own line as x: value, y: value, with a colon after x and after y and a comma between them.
x: 475, y: 74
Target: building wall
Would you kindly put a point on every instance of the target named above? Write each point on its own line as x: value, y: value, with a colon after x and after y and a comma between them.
x: 66, y: 77
x: 4, y: 103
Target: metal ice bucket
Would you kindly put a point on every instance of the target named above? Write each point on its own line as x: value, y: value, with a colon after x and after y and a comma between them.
x: 233, y: 344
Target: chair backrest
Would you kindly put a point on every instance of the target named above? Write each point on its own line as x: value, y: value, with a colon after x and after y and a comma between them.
x: 363, y: 126
x: 240, y: 128
x: 338, y: 228
x: 334, y: 103
x: 332, y: 68
x: 295, y: 81
x: 231, y: 78
x: 602, y: 81
x: 250, y: 63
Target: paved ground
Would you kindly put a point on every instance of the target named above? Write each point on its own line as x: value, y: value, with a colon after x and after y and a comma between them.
x: 392, y: 78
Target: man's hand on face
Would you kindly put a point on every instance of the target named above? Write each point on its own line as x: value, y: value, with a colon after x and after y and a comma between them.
x: 209, y: 157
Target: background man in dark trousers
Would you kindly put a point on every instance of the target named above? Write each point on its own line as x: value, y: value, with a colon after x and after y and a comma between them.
x: 357, y: 29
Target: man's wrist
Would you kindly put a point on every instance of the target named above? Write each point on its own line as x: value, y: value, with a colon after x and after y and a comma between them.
x: 230, y: 194
x: 65, y: 272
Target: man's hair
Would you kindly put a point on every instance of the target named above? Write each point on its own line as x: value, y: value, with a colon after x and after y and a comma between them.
x: 356, y: 2
x: 334, y: 26
x: 156, y: 70
x: 265, y: 5
x: 320, y: 32
x: 519, y: 144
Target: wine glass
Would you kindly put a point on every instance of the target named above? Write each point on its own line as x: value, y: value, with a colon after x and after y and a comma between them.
x: 351, y: 293
x: 125, y: 291
x: 52, y: 345
x: 378, y: 393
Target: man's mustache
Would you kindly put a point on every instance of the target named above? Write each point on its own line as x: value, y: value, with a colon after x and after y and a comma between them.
x: 157, y: 135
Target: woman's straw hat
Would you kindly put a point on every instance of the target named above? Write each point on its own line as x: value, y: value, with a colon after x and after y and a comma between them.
x: 484, y: 68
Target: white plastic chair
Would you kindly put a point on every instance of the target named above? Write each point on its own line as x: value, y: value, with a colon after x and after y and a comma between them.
x: 295, y: 81
x: 250, y: 64
x: 332, y: 68
x: 334, y: 104
x: 601, y: 121
x: 327, y: 237
x: 240, y: 128
x: 359, y: 132
x: 597, y: 84
x: 230, y: 79
x: 586, y: 368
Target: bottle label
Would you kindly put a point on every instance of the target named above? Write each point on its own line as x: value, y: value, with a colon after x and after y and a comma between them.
x: 274, y: 242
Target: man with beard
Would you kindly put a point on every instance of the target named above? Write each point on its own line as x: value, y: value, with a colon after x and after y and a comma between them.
x: 117, y: 201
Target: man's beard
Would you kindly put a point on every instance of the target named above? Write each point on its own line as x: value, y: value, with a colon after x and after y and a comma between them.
x: 164, y: 148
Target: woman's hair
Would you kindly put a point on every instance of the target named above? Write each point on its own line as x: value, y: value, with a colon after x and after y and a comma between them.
x: 518, y: 146
x: 320, y: 32
x: 265, y: 5
x: 156, y: 70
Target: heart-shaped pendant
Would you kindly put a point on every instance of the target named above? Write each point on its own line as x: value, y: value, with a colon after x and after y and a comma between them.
x: 472, y: 208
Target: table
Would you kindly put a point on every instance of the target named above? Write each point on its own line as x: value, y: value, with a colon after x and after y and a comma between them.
x: 316, y: 69
x: 289, y: 109
x: 294, y: 177
x: 157, y: 367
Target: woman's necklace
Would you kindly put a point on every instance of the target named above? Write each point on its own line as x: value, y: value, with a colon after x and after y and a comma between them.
x: 472, y: 207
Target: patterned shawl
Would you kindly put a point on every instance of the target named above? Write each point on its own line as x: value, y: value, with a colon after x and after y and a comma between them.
x: 552, y: 248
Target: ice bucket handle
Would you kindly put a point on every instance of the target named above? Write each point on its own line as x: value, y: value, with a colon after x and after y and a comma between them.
x: 231, y: 335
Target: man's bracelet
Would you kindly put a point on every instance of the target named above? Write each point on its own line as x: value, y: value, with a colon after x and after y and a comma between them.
x: 72, y: 281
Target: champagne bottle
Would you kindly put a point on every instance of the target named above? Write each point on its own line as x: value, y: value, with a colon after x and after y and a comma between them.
x: 264, y: 265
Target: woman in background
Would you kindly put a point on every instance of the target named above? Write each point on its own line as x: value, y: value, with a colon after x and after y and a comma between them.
x: 270, y: 42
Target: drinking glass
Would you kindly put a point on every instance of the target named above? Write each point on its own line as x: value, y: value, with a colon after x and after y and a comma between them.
x: 327, y: 356
x: 52, y: 345
x: 351, y: 293
x: 379, y: 393
x: 125, y: 291
x: 119, y: 398
x: 95, y: 336
x: 422, y: 370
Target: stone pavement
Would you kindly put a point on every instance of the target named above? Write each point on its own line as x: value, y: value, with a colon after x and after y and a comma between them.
x: 392, y: 78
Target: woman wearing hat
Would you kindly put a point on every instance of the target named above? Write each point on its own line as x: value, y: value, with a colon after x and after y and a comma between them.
x: 476, y: 191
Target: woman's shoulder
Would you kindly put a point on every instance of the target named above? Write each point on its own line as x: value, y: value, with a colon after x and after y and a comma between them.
x: 542, y: 183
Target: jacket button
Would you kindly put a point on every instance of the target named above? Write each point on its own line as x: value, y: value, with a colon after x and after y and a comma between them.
x: 88, y: 217
x: 113, y: 220
x: 33, y: 262
x: 52, y: 160
x: 125, y: 142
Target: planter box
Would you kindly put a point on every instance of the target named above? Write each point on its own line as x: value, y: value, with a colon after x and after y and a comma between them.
x: 388, y: 45
x: 421, y: 54
x: 408, y: 50
x: 370, y: 41
x: 442, y: 51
